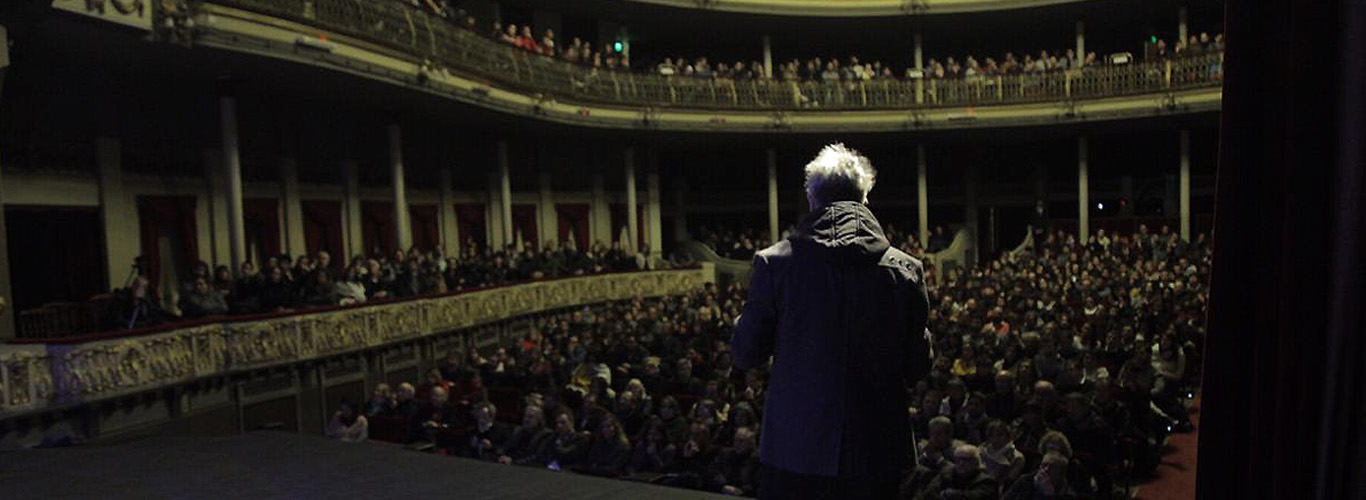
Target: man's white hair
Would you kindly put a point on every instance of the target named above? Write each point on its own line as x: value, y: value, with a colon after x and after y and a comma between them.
x: 839, y: 173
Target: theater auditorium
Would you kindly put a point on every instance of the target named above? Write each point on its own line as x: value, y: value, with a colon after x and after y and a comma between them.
x: 571, y: 249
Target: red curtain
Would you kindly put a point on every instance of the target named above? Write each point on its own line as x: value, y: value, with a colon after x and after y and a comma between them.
x: 158, y: 215
x: 322, y: 226
x: 261, y: 221
x: 377, y: 227
x: 470, y: 218
x: 524, y: 221
x: 618, y: 213
x: 1285, y: 355
x: 573, y: 221
x: 426, y: 226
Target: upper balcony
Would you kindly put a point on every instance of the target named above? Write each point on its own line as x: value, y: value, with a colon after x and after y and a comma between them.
x: 399, y: 44
x: 854, y: 8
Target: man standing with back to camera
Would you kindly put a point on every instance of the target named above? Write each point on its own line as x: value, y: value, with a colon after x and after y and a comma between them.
x: 843, y: 314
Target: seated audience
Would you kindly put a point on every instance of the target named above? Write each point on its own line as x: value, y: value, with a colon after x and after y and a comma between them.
x: 382, y: 401
x: 566, y: 446
x: 655, y: 452
x: 202, y: 300
x: 487, y: 438
x: 348, y: 425
x: 609, y: 450
x: 135, y: 307
x: 527, y: 439
x: 965, y: 480
x: 1049, y: 483
x: 736, y: 468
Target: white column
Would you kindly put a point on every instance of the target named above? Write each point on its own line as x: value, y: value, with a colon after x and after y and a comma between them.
x: 7, y: 324
x: 450, y: 228
x: 653, y: 218
x: 601, y: 219
x: 8, y: 328
x: 919, y: 54
x: 920, y: 66
x: 7, y: 313
x: 1083, y: 193
x: 768, y: 57
x: 1081, y: 41
x: 632, y: 225
x: 351, y: 209
x: 505, y: 192
x: 549, y: 223
x: 922, y: 197
x: 232, y: 170
x: 773, y: 235
x: 1181, y: 29
x: 216, y: 203
x: 121, y: 231
x: 292, y: 207
x: 494, y: 212
x: 403, y: 229
x: 1185, y: 185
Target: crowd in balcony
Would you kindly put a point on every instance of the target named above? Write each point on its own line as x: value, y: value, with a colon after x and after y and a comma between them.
x: 732, y: 242
x: 1058, y: 373
x: 282, y: 284
x: 1196, y: 45
x: 815, y: 69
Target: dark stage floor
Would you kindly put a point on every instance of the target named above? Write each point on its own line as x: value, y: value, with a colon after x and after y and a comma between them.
x: 269, y: 465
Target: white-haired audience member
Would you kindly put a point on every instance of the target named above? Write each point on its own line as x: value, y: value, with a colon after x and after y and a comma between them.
x: 965, y: 480
x: 382, y: 401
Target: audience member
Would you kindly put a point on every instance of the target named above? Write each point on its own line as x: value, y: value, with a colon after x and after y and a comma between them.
x: 348, y: 425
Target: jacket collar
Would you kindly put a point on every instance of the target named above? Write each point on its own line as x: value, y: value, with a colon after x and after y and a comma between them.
x: 843, y: 230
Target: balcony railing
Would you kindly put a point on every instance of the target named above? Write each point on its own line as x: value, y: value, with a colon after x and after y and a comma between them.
x: 431, y: 40
x: 41, y: 374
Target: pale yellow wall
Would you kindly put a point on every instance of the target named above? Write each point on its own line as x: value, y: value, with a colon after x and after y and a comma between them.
x: 51, y: 189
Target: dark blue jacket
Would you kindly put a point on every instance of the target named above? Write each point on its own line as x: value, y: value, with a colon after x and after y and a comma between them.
x: 843, y: 315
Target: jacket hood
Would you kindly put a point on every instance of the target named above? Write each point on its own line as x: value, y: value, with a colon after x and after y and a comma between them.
x: 843, y: 230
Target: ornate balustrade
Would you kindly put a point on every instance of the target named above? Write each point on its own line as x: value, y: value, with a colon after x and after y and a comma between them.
x: 437, y: 44
x: 64, y: 372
